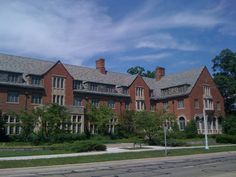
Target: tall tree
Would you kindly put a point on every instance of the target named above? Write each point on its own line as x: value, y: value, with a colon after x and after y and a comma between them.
x: 224, y: 68
x: 141, y: 71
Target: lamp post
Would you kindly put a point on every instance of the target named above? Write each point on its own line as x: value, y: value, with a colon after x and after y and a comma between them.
x: 205, y: 125
x: 165, y: 132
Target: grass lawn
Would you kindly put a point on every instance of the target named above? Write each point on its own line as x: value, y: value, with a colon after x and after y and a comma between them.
x: 110, y: 157
x: 30, y: 153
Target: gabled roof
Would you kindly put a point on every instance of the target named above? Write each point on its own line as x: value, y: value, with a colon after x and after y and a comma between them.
x: 188, y: 77
x: 26, y: 65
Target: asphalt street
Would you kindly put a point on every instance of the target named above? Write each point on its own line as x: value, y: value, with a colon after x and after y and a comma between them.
x: 207, y: 165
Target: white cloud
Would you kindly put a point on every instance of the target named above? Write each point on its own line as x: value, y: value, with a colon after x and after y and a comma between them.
x: 77, y: 30
x: 147, y: 58
x: 165, y: 41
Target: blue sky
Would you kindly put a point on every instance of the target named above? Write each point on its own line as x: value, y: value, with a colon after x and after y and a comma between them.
x: 176, y: 34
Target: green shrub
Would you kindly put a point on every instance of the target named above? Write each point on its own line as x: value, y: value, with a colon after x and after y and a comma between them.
x: 191, y: 129
x: 173, y: 142
x: 87, y: 146
x: 226, y: 139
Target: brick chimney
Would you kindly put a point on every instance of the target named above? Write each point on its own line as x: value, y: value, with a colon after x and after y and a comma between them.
x: 160, y: 72
x: 100, y: 65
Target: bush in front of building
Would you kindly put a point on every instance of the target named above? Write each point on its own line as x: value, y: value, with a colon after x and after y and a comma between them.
x: 224, y: 138
x: 191, y: 129
x: 229, y: 125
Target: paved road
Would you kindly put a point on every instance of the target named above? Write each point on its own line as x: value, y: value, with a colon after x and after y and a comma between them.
x: 210, y: 165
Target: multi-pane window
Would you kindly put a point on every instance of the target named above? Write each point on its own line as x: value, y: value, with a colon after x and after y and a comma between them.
x: 58, y: 99
x: 207, y: 91
x: 209, y: 104
x: 77, y: 101
x: 111, y: 104
x: 165, y: 105
x: 140, y: 105
x: 93, y: 87
x: 153, y: 106
x: 127, y: 105
x: 182, y: 123
x: 36, y: 99
x: 218, y: 106
x: 35, y: 80
x: 196, y: 103
x: 58, y: 82
x: 125, y: 91
x: 180, y: 104
x: 13, y: 97
x: 13, y: 77
x: 139, y: 92
x: 78, y: 85
x: 110, y: 89
x: 95, y: 103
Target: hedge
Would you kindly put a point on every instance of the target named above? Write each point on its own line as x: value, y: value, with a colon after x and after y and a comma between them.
x: 226, y: 139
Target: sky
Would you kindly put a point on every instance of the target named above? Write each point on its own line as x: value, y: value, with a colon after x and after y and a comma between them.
x: 175, y: 34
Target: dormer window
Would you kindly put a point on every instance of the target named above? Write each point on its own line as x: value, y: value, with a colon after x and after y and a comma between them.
x: 13, y: 77
x: 35, y: 80
x: 78, y: 85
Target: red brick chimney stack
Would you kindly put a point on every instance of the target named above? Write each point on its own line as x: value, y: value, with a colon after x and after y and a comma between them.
x: 100, y: 65
x: 160, y: 72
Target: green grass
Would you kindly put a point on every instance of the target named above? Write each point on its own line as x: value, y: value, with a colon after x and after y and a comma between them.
x: 110, y: 157
x: 30, y: 153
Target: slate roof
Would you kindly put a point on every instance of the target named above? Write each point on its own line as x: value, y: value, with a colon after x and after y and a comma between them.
x: 26, y: 65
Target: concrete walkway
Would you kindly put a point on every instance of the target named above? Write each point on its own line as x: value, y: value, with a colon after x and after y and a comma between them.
x: 110, y: 150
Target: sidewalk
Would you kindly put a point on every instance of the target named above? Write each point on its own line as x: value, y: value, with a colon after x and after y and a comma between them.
x: 110, y: 150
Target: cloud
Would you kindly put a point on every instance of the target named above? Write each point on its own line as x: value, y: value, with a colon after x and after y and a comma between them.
x: 165, y: 41
x: 147, y: 58
x: 76, y: 31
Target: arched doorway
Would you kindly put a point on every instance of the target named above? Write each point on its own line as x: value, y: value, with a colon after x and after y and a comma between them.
x: 182, y: 123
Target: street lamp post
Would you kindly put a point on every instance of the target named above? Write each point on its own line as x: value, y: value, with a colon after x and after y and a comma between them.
x: 165, y: 132
x: 205, y: 125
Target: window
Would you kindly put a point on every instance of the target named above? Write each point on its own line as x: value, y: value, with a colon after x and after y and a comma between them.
x: 110, y: 89
x: 139, y: 105
x: 13, y: 97
x: 139, y: 92
x: 77, y: 101
x: 165, y: 105
x: 127, y: 105
x: 35, y: 80
x: 78, y: 85
x: 12, y: 77
x: 153, y: 106
x: 180, y: 104
x: 181, y: 123
x: 95, y: 103
x: 58, y: 82
x: 93, y: 87
x: 36, y: 99
x: 218, y: 106
x: 58, y: 99
x: 207, y: 91
x: 196, y: 104
x: 111, y: 104
x: 125, y: 91
x: 209, y: 104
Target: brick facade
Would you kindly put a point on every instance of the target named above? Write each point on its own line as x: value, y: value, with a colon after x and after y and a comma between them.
x: 191, y: 102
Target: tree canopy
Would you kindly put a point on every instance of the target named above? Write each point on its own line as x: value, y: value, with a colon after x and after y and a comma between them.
x: 224, y: 72
x: 141, y: 71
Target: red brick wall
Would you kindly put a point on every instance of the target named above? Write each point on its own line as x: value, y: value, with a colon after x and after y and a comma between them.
x: 58, y: 70
x: 139, y: 82
x: 197, y: 93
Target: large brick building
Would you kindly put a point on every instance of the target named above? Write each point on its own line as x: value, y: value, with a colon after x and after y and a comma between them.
x: 26, y: 83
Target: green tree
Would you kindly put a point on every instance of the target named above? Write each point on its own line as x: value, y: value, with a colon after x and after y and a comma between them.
x: 126, y: 125
x: 27, y: 122
x: 100, y: 117
x: 229, y: 125
x: 191, y: 129
x: 3, y: 136
x: 141, y: 71
x: 224, y: 68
